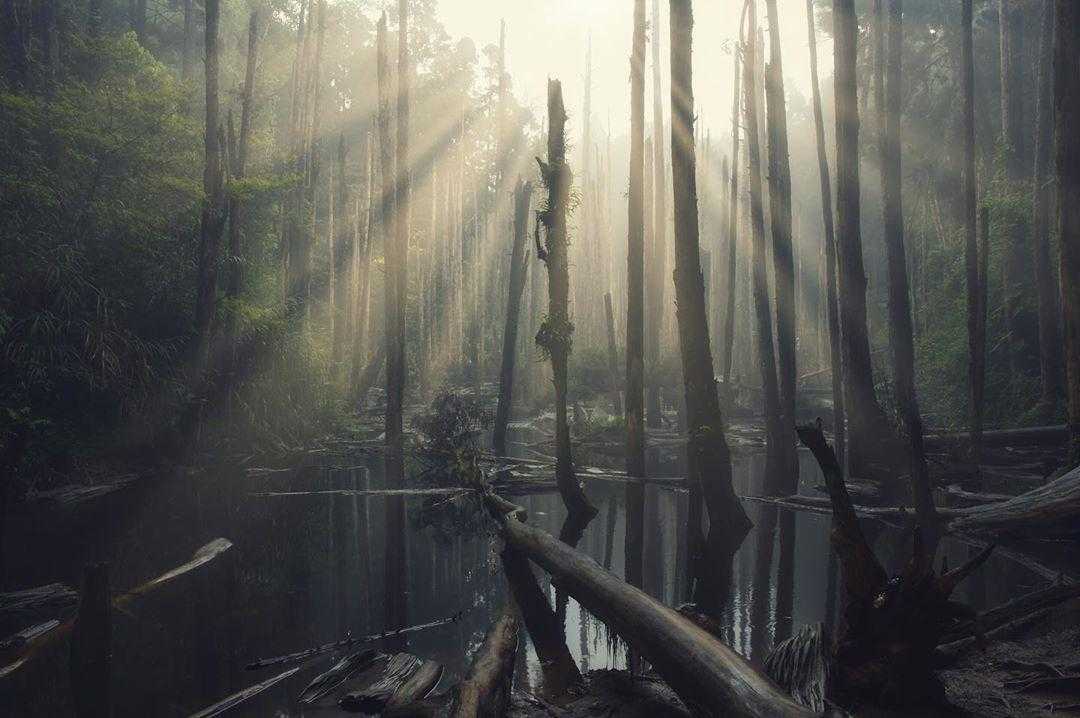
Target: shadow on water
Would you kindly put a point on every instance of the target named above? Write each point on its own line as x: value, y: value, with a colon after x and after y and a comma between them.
x: 310, y: 569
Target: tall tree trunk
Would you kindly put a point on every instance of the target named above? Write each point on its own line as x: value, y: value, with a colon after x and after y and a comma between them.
x: 787, y: 481
x: 365, y: 237
x: 340, y: 261
x: 774, y: 433
x: 1046, y: 281
x: 1067, y: 158
x: 708, y: 456
x: 831, y: 311
x: 901, y: 332
x: 213, y: 210
x: 613, y: 356
x: 522, y: 195
x: 635, y: 256
x: 187, y: 46
x: 865, y: 418
x: 239, y: 161
x: 658, y: 246
x: 733, y: 220
x: 556, y: 333
x: 976, y: 348
x: 1022, y: 345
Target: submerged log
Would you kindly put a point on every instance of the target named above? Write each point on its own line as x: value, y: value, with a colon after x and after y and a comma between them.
x: 708, y: 676
x: 485, y: 692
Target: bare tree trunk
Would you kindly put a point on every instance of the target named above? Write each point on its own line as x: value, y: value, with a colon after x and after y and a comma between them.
x: 708, y: 456
x: 340, y: 264
x: 865, y: 417
x: 774, y: 434
x: 901, y: 332
x: 733, y: 218
x: 213, y: 211
x: 657, y: 259
x: 613, y: 356
x: 976, y: 340
x: 783, y: 258
x: 556, y: 333
x: 1046, y: 281
x: 635, y: 256
x: 1067, y: 158
x: 138, y: 19
x: 186, y: 50
x: 522, y: 195
x: 365, y: 235
x: 832, y: 311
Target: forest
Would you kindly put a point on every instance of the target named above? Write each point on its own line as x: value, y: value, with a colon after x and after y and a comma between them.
x: 481, y: 358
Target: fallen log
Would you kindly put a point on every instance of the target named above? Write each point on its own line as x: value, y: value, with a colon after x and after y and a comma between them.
x: 1029, y: 436
x: 707, y: 675
x: 323, y: 685
x: 485, y: 692
x: 347, y: 642
x: 391, y: 682
x: 1049, y: 511
x: 54, y: 600
x: 239, y: 697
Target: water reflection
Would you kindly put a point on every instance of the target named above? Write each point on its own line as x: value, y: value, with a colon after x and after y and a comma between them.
x: 310, y: 569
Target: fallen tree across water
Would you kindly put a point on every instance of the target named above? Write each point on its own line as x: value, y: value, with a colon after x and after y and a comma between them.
x: 707, y: 675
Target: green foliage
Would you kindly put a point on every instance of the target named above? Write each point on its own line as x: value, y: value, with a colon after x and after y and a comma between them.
x: 555, y: 333
x: 450, y: 431
x: 590, y: 374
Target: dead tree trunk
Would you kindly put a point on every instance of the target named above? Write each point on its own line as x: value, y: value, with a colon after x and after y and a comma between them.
x: 398, y: 251
x: 365, y: 234
x: 1046, y: 281
x: 976, y: 350
x: 213, y: 211
x: 522, y: 195
x: 635, y: 256
x: 556, y: 333
x: 1067, y: 159
x: 774, y: 434
x: 733, y: 218
x: 865, y: 418
x: 829, y: 239
x: 708, y: 456
x: 783, y: 258
x: 613, y: 356
x: 485, y: 690
x: 901, y: 332
x: 342, y: 237
x: 657, y: 259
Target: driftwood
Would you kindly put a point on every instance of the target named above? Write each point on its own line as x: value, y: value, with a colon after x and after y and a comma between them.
x: 485, y: 692
x: 250, y: 692
x: 1049, y: 511
x: 348, y: 642
x: 707, y: 675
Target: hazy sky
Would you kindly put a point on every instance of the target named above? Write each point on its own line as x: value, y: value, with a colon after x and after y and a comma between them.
x: 549, y: 38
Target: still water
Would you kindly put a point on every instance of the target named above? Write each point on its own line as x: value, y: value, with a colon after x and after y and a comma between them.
x: 310, y: 569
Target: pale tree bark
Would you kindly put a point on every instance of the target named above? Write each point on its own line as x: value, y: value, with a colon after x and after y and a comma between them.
x: 1067, y: 161
x: 787, y: 481
x: 832, y: 314
x: 1046, y: 281
x: 733, y: 220
x: 708, y: 456
x: 901, y: 332
x: 556, y: 333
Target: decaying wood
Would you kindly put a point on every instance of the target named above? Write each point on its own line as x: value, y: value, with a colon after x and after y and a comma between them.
x: 707, y: 675
x: 27, y: 635
x: 1029, y: 436
x: 324, y: 684
x: 1045, y: 512
x: 347, y: 642
x: 203, y: 556
x: 378, y: 685
x: 418, y: 687
x: 34, y: 604
x: 239, y: 697
x: 485, y: 692
x: 800, y: 665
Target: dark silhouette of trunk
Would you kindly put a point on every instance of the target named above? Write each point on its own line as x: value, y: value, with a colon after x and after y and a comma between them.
x: 708, y: 456
x: 613, y: 356
x: 1046, y: 281
x: 657, y: 258
x: 48, y: 44
x: 340, y: 260
x: 976, y: 342
x: 774, y: 433
x: 91, y: 643
x: 635, y: 256
x: 733, y: 218
x: 556, y: 333
x: 239, y: 162
x: 829, y: 239
x: 787, y: 480
x: 138, y: 19
x: 213, y: 210
x: 1016, y: 269
x: 901, y: 332
x: 866, y: 421
x: 188, y: 42
x: 522, y: 195
x: 365, y: 233
x: 17, y: 62
x: 1067, y: 159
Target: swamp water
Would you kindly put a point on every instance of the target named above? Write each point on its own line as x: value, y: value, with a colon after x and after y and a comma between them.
x: 310, y: 569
